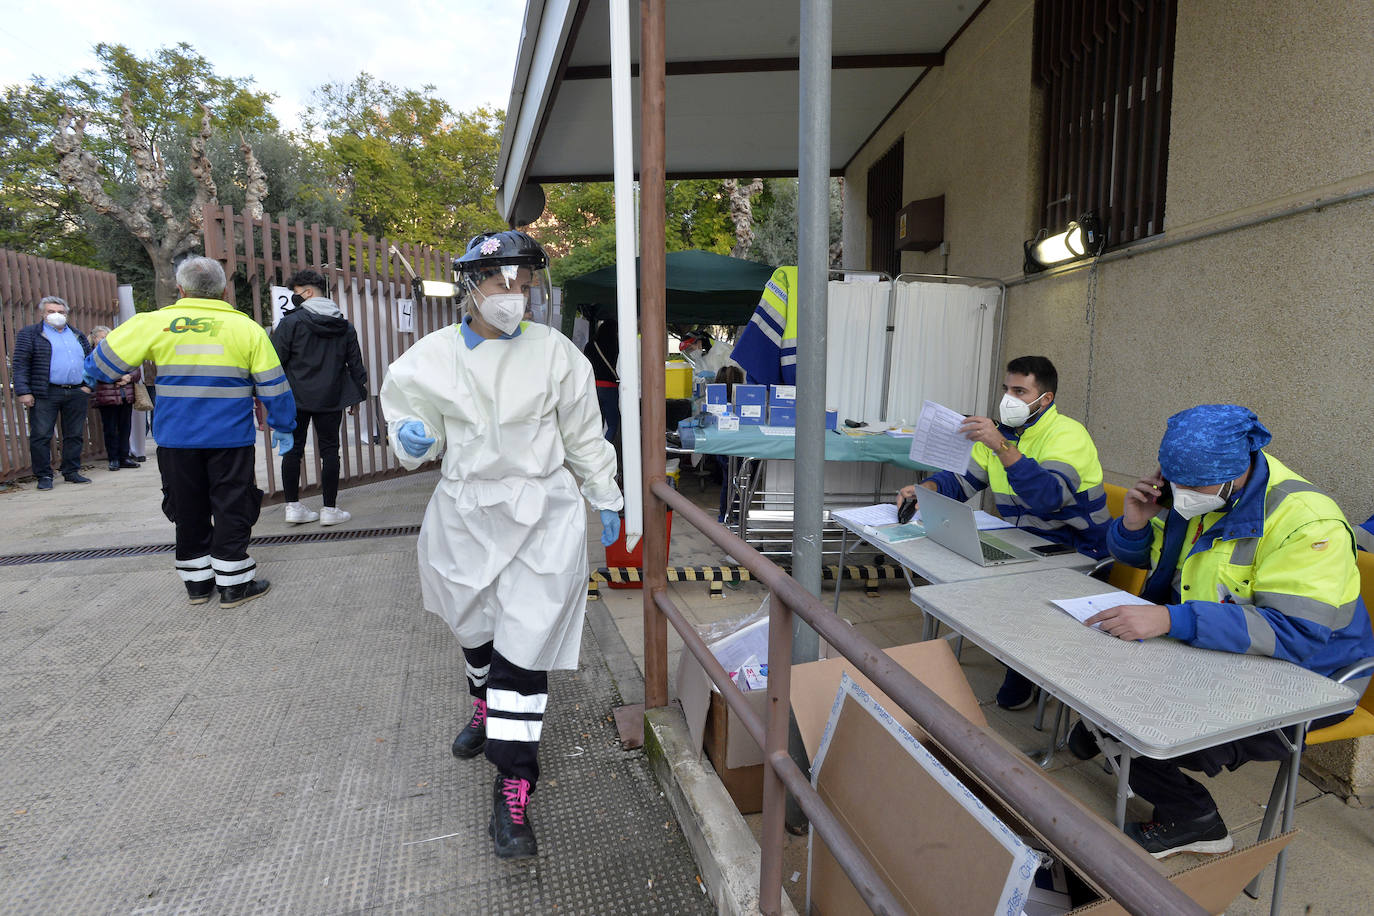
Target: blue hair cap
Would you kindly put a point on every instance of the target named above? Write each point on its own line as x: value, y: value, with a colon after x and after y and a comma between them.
x: 1210, y: 444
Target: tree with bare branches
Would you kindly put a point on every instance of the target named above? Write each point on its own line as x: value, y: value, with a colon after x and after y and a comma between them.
x: 164, y: 233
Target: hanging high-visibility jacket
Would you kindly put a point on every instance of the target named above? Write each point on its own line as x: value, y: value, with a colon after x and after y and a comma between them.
x: 1054, y: 489
x: 1274, y: 575
x: 767, y: 347
x: 212, y: 360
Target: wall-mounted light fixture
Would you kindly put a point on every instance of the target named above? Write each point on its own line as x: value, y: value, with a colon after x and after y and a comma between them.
x: 1083, y: 238
x: 435, y: 289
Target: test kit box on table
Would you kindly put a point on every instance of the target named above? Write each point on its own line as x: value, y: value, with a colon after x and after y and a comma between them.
x: 750, y: 403
x: 717, y: 398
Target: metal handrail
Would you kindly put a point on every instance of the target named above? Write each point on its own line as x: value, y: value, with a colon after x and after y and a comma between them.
x: 1100, y: 852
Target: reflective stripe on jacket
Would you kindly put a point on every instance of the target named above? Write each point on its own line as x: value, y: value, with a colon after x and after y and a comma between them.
x: 767, y: 347
x: 212, y: 360
x: 1274, y: 575
x: 1054, y: 489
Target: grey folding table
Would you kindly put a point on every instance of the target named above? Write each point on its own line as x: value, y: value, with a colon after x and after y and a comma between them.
x: 1159, y: 698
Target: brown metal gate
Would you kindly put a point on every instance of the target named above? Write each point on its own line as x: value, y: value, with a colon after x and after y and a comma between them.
x: 93, y: 299
x: 366, y: 281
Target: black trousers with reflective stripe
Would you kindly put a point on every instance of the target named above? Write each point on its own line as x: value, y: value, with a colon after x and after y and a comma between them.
x: 511, y: 757
x: 210, y: 494
x: 1178, y: 796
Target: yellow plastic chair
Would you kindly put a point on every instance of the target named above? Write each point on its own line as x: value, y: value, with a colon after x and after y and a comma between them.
x: 1360, y: 722
x: 1127, y: 578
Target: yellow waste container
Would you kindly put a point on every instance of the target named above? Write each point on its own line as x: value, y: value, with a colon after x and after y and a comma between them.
x: 679, y: 380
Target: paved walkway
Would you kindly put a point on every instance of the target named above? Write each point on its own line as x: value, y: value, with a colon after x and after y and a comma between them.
x: 290, y: 755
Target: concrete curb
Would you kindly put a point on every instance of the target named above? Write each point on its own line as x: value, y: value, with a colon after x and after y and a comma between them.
x: 721, y: 843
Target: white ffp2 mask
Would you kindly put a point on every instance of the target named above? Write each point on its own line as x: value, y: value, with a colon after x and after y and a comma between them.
x: 56, y: 320
x: 503, y: 311
x: 1190, y: 503
x: 1013, y: 411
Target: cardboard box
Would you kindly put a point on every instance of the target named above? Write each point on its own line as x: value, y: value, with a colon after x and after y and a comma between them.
x: 751, y: 402
x: 868, y: 779
x: 717, y: 398
x: 782, y: 395
x: 782, y: 416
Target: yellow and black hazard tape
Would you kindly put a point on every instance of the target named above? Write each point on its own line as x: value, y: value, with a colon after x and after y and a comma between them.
x: 718, y: 576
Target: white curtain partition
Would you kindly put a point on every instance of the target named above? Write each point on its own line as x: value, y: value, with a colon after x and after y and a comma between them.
x: 857, y: 345
x: 942, y: 348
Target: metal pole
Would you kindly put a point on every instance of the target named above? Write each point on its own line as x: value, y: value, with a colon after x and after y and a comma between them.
x: 813, y: 271
x: 622, y: 144
x: 653, y: 339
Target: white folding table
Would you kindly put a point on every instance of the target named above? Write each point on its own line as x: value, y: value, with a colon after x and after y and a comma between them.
x: 1158, y: 698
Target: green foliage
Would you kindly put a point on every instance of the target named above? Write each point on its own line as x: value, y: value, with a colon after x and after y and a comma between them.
x: 578, y: 225
x: 775, y: 221
x: 415, y: 170
x: 41, y: 216
x: 38, y: 215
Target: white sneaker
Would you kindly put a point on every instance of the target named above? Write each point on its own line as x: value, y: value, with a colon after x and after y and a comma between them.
x: 297, y: 514
x: 332, y: 516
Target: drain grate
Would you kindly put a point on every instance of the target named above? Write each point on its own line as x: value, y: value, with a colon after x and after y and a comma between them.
x: 271, y: 540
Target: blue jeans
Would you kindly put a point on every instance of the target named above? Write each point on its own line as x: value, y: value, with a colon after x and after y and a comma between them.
x: 70, y: 405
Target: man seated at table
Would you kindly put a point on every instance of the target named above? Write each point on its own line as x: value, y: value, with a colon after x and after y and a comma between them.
x: 1043, y: 470
x: 1251, y: 558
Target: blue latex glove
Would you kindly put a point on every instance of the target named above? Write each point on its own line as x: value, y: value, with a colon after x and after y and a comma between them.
x: 610, y: 527
x: 412, y: 437
x: 706, y: 374
x: 282, y: 441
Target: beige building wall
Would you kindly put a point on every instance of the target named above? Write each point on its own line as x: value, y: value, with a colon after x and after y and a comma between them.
x: 1273, y: 109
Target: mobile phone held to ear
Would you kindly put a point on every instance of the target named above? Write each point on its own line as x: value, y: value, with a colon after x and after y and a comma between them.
x: 1165, y: 499
x: 1052, y: 550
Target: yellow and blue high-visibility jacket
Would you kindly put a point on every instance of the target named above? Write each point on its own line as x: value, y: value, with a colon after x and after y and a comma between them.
x: 212, y: 360
x: 767, y: 347
x: 1054, y: 489
x: 1274, y: 575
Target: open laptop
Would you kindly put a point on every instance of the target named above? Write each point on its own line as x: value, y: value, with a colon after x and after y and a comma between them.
x: 950, y: 523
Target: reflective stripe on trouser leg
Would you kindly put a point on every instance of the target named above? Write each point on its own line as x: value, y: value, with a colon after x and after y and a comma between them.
x: 234, y: 572
x: 197, y: 570
x: 515, y: 717
x: 478, y: 664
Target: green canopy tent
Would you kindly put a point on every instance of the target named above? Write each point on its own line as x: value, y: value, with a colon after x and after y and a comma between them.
x: 703, y: 288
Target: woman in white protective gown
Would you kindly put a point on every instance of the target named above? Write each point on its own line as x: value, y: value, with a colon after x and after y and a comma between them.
x: 511, y: 406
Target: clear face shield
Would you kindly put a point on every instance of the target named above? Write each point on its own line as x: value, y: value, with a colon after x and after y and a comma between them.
x: 506, y: 295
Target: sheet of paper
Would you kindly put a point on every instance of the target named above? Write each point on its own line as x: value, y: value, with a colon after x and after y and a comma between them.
x: 937, y: 440
x: 778, y: 430
x: 986, y: 521
x: 881, y: 514
x: 1083, y: 608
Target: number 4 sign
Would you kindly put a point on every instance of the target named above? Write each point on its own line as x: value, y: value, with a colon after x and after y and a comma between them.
x: 405, y: 316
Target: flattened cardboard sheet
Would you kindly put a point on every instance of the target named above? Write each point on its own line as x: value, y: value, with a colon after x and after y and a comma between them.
x: 936, y: 846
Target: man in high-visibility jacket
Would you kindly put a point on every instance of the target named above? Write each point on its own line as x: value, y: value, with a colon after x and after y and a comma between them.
x: 1249, y: 558
x: 1043, y: 471
x: 767, y: 347
x: 212, y: 360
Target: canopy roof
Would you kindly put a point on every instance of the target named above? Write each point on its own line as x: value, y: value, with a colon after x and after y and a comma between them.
x: 732, y: 85
x: 703, y: 288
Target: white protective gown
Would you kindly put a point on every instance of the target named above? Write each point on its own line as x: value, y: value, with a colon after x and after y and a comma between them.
x: 503, y: 546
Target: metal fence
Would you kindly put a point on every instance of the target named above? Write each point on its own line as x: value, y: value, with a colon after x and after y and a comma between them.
x: 370, y: 285
x: 93, y: 298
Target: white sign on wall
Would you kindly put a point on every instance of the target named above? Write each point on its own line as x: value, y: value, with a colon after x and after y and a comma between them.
x: 281, y: 298
x: 405, y: 316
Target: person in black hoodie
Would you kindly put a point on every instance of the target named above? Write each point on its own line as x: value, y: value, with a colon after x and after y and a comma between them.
x: 319, y: 350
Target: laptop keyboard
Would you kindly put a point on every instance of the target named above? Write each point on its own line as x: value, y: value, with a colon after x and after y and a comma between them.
x: 994, y: 553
